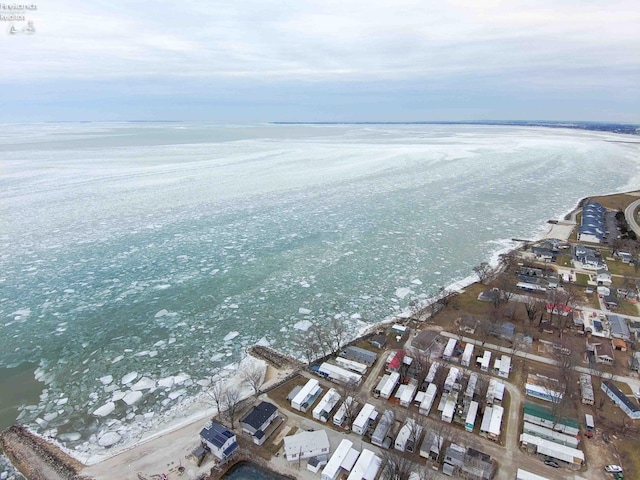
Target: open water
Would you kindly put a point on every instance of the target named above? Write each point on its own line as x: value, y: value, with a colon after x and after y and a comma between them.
x: 160, y: 251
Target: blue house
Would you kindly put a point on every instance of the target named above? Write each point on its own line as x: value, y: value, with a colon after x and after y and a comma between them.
x: 219, y: 441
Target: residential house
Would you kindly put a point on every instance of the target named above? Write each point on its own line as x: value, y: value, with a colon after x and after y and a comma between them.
x: 221, y: 442
x: 306, y: 396
x: 378, y: 341
x: 600, y: 350
x: 306, y: 445
x: 255, y: 422
x: 627, y: 405
x: 358, y: 354
x: 619, y: 327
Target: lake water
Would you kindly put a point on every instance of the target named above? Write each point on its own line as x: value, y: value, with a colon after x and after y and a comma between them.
x: 160, y: 251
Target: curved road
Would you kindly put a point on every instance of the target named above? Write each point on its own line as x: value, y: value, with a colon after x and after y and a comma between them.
x: 628, y: 214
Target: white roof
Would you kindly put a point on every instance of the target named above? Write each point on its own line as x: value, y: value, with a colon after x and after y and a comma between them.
x: 451, y: 345
x: 551, y: 449
x: 505, y: 363
x: 419, y: 396
x: 472, y: 413
x: 343, y: 409
x: 544, y: 432
x: 449, y: 408
x: 486, y: 419
x: 429, y: 395
x: 339, y: 372
x: 468, y: 352
x: 382, y: 382
x: 333, y: 466
x: 388, y: 387
x: 406, y: 430
x: 359, y: 470
x: 307, y: 390
x: 524, y: 475
x: 306, y: 442
x: 496, y: 420
x: 399, y: 328
x: 407, y: 393
x: 351, y: 365
x: 363, y: 416
x: 327, y: 402
x: 350, y: 460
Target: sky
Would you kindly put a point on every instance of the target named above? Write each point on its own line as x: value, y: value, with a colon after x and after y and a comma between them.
x: 322, y: 60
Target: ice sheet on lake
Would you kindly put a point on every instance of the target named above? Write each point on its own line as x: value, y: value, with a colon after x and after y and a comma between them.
x: 303, y: 325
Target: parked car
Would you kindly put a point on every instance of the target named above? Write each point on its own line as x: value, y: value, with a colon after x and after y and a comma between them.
x: 613, y: 468
x: 551, y: 463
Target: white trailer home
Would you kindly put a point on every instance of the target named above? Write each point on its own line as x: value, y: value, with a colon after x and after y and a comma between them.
x: 339, y: 374
x: 467, y: 355
x: 429, y: 397
x: 306, y: 396
x: 325, y: 405
x: 470, y: 421
x: 341, y: 415
x: 449, y: 349
x: 365, y: 419
x: 354, y: 366
x: 408, y: 436
x: 485, y: 361
x: 387, y: 389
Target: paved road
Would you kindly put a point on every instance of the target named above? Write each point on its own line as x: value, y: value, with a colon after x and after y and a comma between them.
x: 628, y: 213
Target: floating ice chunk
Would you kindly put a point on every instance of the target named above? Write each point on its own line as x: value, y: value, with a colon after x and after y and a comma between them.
x: 176, y: 394
x: 230, y: 336
x: 217, y: 356
x: 283, y: 329
x: 50, y: 416
x: 163, y: 286
x: 161, y: 313
x: 153, y: 353
x: 109, y: 438
x: 117, y: 395
x: 105, y: 409
x: 234, y: 306
x: 402, y: 292
x: 159, y: 343
x: 356, y: 316
x: 172, y: 340
x: 304, y: 311
x: 69, y: 290
x: 145, y: 383
x: 141, y: 354
x: 129, y: 377
x: 304, y: 285
x: 263, y: 342
x: 205, y: 382
x: 416, y: 282
x: 70, y: 436
x: 165, y: 382
x: 106, y: 380
x: 303, y: 325
x: 180, y: 378
x: 62, y: 401
x: 132, y: 397
x: 117, y: 359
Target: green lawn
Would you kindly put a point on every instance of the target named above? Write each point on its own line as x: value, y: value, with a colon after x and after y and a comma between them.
x: 564, y: 261
x: 617, y: 267
x: 582, y: 279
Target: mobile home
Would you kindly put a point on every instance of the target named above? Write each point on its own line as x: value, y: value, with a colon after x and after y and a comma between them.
x: 467, y: 355
x: 306, y: 396
x: 429, y: 397
x: 325, y: 405
x: 449, y: 349
x: 470, y: 421
x: 365, y: 419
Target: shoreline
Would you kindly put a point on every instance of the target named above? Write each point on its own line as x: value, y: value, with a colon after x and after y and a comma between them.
x: 192, y: 421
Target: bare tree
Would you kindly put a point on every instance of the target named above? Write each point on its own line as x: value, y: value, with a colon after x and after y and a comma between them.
x: 349, y: 390
x: 395, y: 466
x: 307, y: 345
x: 231, y: 400
x: 483, y: 272
x: 338, y: 331
x: 253, y: 375
x: 484, y: 329
x: 216, y: 393
x: 421, y: 364
x: 533, y: 307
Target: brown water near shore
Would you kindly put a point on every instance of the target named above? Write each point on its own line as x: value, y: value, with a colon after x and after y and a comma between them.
x: 17, y: 387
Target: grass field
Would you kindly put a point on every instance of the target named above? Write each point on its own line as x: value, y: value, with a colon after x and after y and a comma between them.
x: 618, y: 201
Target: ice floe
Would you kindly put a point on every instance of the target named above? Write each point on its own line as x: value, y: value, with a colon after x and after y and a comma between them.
x: 303, y: 325
x: 132, y: 397
x: 109, y: 439
x: 105, y: 409
x: 162, y: 313
x: 106, y: 380
x: 304, y: 311
x: 129, y: 377
x: 145, y: 383
x: 403, y: 292
x: 230, y: 336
